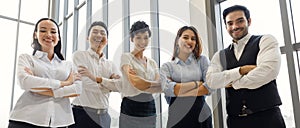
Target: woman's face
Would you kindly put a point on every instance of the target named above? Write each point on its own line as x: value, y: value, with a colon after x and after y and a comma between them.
x: 141, y: 40
x: 47, y: 35
x: 187, y: 42
x: 97, y: 38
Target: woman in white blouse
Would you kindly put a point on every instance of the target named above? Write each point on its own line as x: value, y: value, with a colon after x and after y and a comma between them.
x: 140, y: 80
x: 47, y: 80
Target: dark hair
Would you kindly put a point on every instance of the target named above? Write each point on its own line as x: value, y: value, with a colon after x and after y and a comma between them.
x: 37, y: 46
x: 97, y: 23
x: 236, y: 8
x: 139, y: 26
x: 198, y: 48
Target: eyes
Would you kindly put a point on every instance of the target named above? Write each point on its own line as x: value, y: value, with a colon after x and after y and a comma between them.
x: 187, y: 38
x: 140, y: 38
x: 102, y: 32
x: 44, y: 31
x: 238, y: 21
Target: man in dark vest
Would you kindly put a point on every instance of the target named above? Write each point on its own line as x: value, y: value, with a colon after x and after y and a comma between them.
x: 247, y: 69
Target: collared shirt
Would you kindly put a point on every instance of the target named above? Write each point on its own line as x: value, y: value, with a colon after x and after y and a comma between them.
x: 149, y: 72
x: 268, y: 66
x: 44, y: 110
x: 95, y: 95
x: 182, y: 72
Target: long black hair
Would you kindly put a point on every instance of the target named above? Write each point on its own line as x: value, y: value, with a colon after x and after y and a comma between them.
x: 37, y: 46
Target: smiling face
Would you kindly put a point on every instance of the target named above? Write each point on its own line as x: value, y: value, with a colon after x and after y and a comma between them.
x: 47, y: 35
x: 187, y: 42
x: 97, y: 38
x: 140, y: 40
x: 237, y: 24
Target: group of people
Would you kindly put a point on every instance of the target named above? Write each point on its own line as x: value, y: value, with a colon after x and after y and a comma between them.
x: 247, y: 69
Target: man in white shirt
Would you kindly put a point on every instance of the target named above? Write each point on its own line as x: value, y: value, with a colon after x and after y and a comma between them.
x: 99, y: 77
x: 247, y: 69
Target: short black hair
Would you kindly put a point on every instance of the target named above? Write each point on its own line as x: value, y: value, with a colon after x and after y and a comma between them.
x: 236, y: 8
x: 139, y: 26
x: 98, y: 23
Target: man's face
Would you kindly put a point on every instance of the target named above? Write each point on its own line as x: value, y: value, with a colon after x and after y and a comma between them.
x: 237, y: 24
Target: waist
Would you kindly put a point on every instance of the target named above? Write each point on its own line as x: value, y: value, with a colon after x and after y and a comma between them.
x: 89, y: 109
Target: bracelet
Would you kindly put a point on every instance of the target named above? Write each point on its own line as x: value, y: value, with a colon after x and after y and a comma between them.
x: 196, y: 84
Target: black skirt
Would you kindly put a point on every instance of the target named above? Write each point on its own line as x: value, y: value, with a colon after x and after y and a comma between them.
x: 192, y: 112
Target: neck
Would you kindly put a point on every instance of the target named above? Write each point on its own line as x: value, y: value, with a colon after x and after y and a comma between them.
x: 138, y: 54
x: 183, y: 56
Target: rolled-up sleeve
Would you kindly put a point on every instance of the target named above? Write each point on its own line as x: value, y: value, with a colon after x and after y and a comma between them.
x: 167, y: 84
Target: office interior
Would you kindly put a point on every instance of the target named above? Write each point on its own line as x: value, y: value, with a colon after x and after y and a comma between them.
x: 281, y: 18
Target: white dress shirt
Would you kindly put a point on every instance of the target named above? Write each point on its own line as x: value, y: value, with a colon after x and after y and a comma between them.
x: 148, y: 73
x: 95, y: 95
x: 43, y: 110
x: 268, y: 66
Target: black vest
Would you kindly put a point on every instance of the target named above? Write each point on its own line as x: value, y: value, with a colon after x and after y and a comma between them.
x: 255, y: 100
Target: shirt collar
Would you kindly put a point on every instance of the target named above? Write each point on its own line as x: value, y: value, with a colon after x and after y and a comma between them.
x: 244, y: 40
x: 188, y: 61
x: 43, y: 55
x: 94, y: 54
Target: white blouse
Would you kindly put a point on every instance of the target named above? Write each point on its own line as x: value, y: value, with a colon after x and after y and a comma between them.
x: 43, y: 110
x: 148, y: 73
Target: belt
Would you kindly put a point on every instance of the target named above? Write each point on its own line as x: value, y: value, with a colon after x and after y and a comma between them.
x: 93, y: 110
x: 245, y: 111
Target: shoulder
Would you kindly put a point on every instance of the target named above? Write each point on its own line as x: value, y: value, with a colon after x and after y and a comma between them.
x: 79, y: 53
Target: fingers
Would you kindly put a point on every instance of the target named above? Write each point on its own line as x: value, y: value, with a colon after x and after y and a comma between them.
x: 27, y: 70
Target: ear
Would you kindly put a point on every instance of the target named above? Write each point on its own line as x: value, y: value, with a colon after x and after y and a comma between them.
x: 249, y: 21
x: 131, y: 39
x: 34, y: 35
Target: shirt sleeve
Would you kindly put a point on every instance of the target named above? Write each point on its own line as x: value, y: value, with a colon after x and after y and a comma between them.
x: 28, y: 81
x: 167, y: 84
x: 204, y: 63
x: 268, y: 65
x: 216, y: 78
x: 113, y: 84
x: 75, y: 88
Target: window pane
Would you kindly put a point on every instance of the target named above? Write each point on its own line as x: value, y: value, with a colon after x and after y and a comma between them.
x: 69, y: 51
x: 82, y: 35
x: 32, y: 13
x: 260, y: 24
x: 10, y: 8
x: 296, y: 15
x: 7, y: 68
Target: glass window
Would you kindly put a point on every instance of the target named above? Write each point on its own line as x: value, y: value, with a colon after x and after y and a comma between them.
x: 69, y: 35
x: 32, y: 13
x: 97, y: 7
x: 260, y: 24
x: 296, y: 17
x: 61, y: 10
x: 10, y: 8
x: 7, y: 54
x: 82, y: 32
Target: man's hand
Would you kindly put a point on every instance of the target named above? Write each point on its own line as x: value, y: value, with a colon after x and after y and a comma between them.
x: 83, y: 71
x: 246, y: 69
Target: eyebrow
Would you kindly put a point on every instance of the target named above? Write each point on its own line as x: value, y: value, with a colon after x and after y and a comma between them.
x: 241, y: 18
